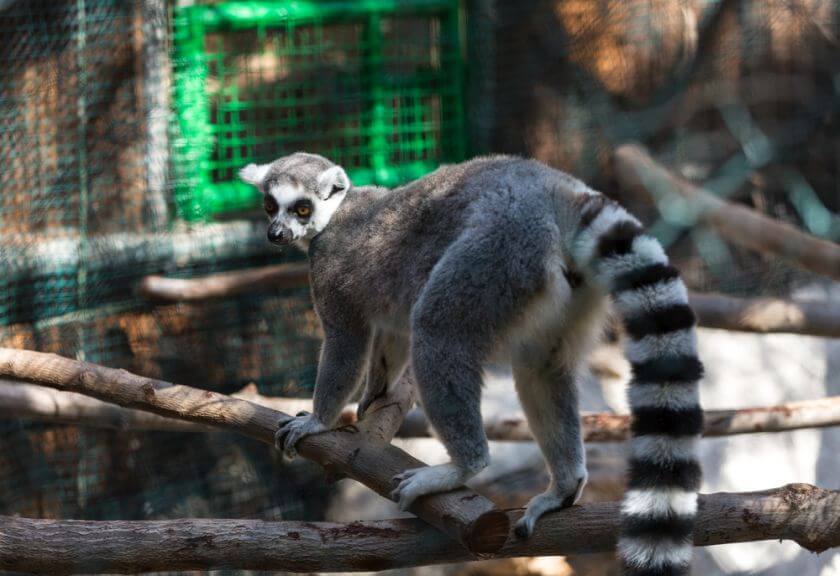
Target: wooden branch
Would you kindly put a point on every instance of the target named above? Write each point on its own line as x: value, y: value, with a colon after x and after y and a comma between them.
x: 43, y: 404
x: 225, y: 284
x: 33, y: 402
x: 714, y: 311
x: 40, y: 403
x: 360, y: 452
x: 61, y: 249
x: 805, y: 514
x: 606, y: 427
x: 766, y: 315
x: 638, y: 172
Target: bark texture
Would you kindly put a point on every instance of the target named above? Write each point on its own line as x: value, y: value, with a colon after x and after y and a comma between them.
x: 50, y: 405
x: 805, y: 514
x: 762, y: 315
x: 361, y: 451
x: 606, y: 427
x: 224, y: 284
x: 765, y: 315
x: 636, y: 170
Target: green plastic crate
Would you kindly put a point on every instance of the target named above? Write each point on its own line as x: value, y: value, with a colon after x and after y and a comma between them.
x: 376, y: 86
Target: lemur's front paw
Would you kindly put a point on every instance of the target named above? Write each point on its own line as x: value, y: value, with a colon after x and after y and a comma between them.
x: 551, y: 499
x: 290, y: 433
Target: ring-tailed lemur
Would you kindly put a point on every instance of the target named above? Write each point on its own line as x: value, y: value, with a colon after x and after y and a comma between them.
x: 499, y: 254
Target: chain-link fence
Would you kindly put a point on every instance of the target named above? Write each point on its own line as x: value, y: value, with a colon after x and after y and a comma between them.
x: 87, y: 211
x: 123, y: 123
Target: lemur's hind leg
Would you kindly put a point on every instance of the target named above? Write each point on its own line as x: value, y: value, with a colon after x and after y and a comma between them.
x: 548, y: 393
x: 388, y: 357
x: 472, y: 296
x: 447, y: 370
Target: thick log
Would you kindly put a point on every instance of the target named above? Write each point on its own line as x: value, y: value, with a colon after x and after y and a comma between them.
x: 225, y: 284
x: 805, y: 514
x: 49, y: 405
x: 762, y: 315
x: 43, y: 404
x: 637, y: 171
x: 28, y: 255
x: 361, y: 451
x: 606, y: 427
x: 766, y: 315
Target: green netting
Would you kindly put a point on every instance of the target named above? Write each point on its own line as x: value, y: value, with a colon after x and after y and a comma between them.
x: 123, y: 123
x: 376, y: 86
x: 93, y: 97
x: 85, y: 214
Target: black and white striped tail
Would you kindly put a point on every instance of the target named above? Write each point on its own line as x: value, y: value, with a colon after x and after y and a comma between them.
x: 661, y: 500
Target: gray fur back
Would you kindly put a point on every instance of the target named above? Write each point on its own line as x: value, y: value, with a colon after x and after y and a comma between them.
x: 383, y: 244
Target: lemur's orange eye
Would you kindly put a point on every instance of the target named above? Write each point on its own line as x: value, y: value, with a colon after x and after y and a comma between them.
x: 270, y: 205
x: 302, y: 209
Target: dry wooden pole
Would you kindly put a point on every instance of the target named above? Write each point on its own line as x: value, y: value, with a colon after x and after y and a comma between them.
x: 637, y: 171
x: 805, y: 514
x: 45, y: 404
x: 766, y: 315
x: 224, y: 284
x: 762, y: 315
x: 606, y: 427
x: 28, y: 254
x: 360, y: 452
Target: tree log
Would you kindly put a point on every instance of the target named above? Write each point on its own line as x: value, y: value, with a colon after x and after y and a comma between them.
x: 606, y: 427
x: 766, y: 315
x: 49, y: 405
x: 637, y: 171
x: 762, y: 315
x: 43, y: 404
x: 225, y: 284
x: 361, y: 451
x: 805, y: 514
x: 53, y: 253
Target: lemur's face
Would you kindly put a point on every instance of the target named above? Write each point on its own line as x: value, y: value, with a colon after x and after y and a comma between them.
x: 300, y: 194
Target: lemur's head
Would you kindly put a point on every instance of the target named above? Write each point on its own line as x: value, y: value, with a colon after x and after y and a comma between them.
x: 300, y: 194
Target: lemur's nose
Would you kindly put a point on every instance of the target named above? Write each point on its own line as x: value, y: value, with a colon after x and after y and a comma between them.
x: 279, y: 235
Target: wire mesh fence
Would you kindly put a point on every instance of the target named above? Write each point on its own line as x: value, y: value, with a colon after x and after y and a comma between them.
x: 740, y: 97
x: 86, y: 211
x: 123, y: 124
x: 377, y: 87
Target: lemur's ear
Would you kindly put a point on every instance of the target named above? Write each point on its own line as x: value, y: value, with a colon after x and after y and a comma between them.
x: 254, y: 174
x: 332, y: 181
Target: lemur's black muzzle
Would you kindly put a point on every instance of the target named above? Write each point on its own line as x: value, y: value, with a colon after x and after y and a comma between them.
x: 279, y: 235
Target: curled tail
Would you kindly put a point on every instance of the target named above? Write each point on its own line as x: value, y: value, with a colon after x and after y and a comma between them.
x: 659, y: 507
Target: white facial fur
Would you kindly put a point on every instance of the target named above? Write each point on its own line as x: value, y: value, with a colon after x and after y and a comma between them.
x: 332, y: 186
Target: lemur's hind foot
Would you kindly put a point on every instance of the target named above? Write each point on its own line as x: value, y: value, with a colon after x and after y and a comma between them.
x: 366, y: 400
x: 419, y: 482
x: 551, y: 499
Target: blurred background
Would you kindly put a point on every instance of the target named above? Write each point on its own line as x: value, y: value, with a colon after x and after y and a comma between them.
x: 123, y: 124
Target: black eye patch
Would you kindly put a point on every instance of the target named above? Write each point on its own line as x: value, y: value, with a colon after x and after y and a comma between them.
x: 302, y: 209
x: 270, y: 204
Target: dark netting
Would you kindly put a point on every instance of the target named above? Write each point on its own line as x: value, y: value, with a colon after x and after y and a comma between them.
x: 739, y: 96
x: 86, y: 211
x: 123, y: 124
